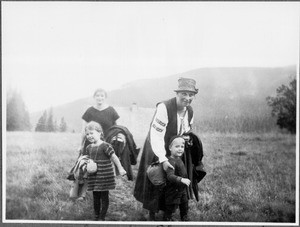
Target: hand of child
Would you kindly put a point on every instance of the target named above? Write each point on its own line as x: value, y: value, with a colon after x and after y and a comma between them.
x: 186, y: 181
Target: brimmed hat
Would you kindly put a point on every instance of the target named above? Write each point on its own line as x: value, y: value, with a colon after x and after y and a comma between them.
x: 187, y: 84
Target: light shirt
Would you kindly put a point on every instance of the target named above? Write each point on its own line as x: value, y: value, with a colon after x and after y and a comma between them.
x: 158, y: 130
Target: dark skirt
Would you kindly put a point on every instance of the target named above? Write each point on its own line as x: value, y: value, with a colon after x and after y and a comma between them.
x: 149, y: 195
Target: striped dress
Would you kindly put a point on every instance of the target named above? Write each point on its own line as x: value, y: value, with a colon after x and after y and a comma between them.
x: 104, y: 178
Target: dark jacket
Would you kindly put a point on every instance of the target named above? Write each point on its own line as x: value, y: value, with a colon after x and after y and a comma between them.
x: 175, y: 189
x: 128, y: 153
x: 192, y: 158
x: 144, y: 190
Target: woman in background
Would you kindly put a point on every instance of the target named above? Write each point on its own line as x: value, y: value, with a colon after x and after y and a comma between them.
x: 103, y: 114
x: 100, y: 112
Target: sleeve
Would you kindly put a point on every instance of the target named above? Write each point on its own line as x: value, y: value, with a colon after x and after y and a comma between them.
x: 158, y: 131
x: 192, y: 121
x: 109, y: 151
x: 191, y: 124
x: 171, y: 175
x: 86, y: 115
x: 114, y: 114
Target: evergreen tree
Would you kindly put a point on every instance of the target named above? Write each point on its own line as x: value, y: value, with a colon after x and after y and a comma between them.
x: 50, y: 124
x: 284, y: 106
x: 63, y: 125
x: 55, y: 125
x: 16, y: 113
x: 41, y: 125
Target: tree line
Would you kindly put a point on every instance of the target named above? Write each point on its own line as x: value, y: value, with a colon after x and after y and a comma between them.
x: 17, y: 117
x: 283, y: 105
x: 46, y: 123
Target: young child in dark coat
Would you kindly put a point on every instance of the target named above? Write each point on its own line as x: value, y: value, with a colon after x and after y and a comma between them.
x: 177, y: 182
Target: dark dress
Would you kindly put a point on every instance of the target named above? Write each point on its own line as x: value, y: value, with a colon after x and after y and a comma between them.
x: 104, y: 178
x: 106, y: 118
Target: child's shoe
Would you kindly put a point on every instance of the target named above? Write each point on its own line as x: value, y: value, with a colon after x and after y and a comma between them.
x: 96, y: 217
x: 152, y: 216
x: 80, y: 199
x: 102, y: 217
x: 168, y: 218
x: 184, y: 218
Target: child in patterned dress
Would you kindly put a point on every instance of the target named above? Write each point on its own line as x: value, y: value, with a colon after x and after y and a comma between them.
x: 104, y: 179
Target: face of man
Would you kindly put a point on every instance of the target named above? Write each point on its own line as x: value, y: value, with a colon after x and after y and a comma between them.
x: 185, y: 98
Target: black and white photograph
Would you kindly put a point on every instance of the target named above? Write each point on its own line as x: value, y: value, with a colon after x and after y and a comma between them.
x: 159, y: 113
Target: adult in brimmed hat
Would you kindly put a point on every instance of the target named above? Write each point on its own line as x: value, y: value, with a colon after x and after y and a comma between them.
x: 172, y: 117
x: 187, y: 84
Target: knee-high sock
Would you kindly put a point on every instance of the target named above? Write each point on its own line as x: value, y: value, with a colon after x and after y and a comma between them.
x: 105, y: 203
x: 97, y: 202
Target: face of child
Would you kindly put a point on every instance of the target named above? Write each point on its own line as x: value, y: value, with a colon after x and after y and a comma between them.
x: 177, y: 147
x: 100, y: 97
x: 92, y: 135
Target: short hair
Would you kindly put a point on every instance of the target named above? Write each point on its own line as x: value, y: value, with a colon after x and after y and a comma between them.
x: 92, y: 125
x: 173, y: 138
x: 100, y: 90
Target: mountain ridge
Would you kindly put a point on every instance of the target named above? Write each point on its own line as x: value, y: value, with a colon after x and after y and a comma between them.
x: 223, y: 92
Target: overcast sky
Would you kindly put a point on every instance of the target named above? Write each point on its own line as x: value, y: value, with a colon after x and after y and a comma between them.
x: 57, y: 52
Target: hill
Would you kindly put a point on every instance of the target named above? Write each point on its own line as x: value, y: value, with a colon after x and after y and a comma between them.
x: 223, y: 93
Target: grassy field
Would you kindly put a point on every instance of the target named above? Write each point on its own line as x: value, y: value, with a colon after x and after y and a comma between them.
x: 251, y: 178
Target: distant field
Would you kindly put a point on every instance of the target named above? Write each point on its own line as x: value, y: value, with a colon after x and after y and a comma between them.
x: 138, y: 120
x: 251, y: 178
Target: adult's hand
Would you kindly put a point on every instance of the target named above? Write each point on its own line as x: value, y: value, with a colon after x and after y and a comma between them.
x: 166, y: 165
x: 123, y: 172
x: 186, y: 138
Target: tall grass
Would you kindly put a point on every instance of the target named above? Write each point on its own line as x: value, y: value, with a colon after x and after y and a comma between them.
x: 237, y: 124
x: 250, y: 178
